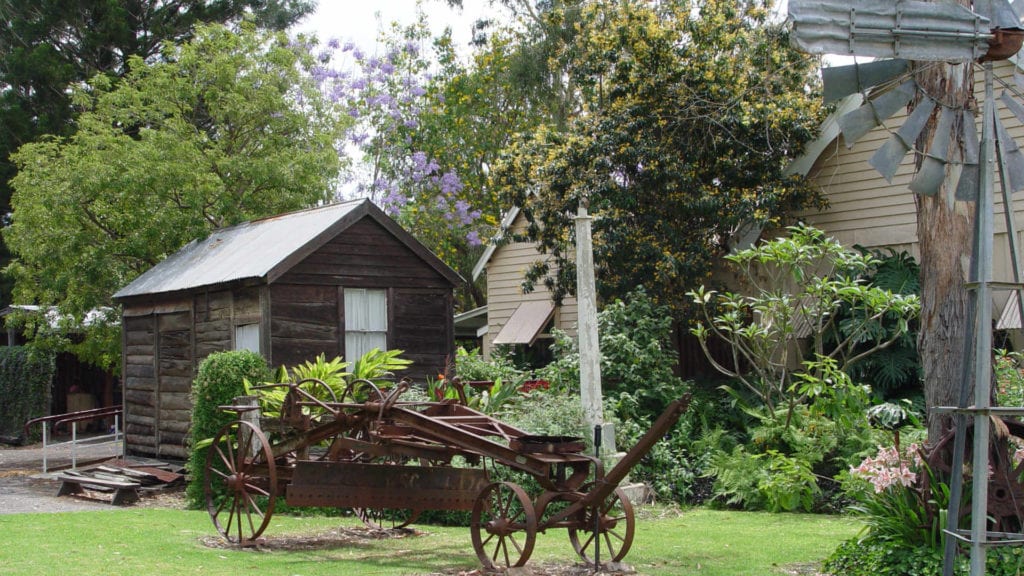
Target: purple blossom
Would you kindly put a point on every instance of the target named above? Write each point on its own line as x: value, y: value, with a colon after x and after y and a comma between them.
x: 412, y: 48
x: 387, y: 68
x: 320, y: 74
x: 358, y: 53
x: 450, y: 183
x: 348, y: 47
x: 333, y: 43
x: 473, y: 238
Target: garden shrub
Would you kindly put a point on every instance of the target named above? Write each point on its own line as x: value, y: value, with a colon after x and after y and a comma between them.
x: 875, y: 557
x: 470, y: 365
x: 1009, y: 371
x: 903, y: 524
x: 26, y: 377
x: 221, y: 377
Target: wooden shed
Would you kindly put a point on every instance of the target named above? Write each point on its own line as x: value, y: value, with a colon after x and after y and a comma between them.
x: 339, y: 279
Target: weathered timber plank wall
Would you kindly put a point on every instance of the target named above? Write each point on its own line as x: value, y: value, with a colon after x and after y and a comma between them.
x: 303, y: 324
x: 174, y: 374
x: 140, y: 383
x: 307, y: 311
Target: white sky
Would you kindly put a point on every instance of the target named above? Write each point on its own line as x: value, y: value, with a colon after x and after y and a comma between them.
x: 357, y: 20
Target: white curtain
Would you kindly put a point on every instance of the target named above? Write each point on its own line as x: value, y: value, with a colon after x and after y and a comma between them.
x: 366, y: 321
x: 247, y: 337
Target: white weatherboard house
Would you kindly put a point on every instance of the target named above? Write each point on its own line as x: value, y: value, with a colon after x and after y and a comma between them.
x: 863, y: 209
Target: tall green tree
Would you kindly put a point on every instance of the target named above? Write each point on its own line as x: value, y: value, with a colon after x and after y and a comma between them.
x: 691, y: 111
x: 225, y: 128
x: 48, y: 45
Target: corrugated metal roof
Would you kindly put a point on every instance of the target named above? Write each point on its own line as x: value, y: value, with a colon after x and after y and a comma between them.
x: 249, y: 250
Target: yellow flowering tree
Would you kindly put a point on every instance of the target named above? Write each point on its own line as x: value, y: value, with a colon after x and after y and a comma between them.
x: 688, y: 114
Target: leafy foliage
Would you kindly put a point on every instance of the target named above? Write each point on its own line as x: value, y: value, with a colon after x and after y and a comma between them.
x: 470, y: 365
x: 894, y: 371
x: 798, y: 283
x: 221, y: 130
x: 220, y: 378
x: 871, y: 557
x: 379, y: 366
x: 692, y: 112
x: 26, y: 376
x: 1009, y: 378
x: 46, y: 46
x: 636, y: 357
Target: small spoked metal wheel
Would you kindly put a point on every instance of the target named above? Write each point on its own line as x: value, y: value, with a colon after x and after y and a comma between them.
x: 240, y: 482
x: 614, y: 525
x: 386, y: 518
x: 503, y: 526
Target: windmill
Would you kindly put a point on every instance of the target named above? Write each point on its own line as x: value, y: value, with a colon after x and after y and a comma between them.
x: 896, y: 33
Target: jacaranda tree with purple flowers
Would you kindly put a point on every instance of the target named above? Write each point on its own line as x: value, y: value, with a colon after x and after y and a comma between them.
x: 403, y: 159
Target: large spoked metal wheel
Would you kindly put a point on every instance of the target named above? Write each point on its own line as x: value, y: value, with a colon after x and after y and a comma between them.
x: 1005, y: 506
x: 240, y: 482
x: 613, y: 528
x: 504, y: 526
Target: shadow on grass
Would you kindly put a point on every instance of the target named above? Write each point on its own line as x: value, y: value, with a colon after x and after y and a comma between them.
x: 368, y: 546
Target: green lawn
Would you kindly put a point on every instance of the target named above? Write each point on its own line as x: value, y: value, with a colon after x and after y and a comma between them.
x: 140, y: 542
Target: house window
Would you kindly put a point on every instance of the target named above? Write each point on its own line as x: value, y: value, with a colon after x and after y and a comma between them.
x: 366, y: 321
x: 247, y: 337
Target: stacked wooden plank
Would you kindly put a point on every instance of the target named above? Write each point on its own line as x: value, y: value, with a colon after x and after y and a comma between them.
x: 124, y: 482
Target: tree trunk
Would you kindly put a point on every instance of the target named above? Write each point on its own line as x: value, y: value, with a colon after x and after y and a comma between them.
x: 945, y: 231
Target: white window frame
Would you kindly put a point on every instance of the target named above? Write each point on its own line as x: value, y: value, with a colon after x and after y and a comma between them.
x: 366, y: 321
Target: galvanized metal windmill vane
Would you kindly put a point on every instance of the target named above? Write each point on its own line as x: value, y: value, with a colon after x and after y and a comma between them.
x: 938, y: 32
x: 899, y: 32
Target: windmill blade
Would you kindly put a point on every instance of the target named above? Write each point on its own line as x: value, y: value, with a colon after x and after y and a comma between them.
x: 911, y: 29
x: 874, y: 112
x: 933, y: 168
x: 1012, y: 105
x: 887, y: 159
x: 1011, y: 157
x: 970, y: 175
x: 841, y: 81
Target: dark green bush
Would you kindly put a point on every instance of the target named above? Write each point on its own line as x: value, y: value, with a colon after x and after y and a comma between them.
x: 874, y: 557
x: 26, y: 377
x: 220, y: 379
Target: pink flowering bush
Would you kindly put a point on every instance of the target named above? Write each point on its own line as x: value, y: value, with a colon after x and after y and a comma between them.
x: 890, y: 468
x: 888, y: 489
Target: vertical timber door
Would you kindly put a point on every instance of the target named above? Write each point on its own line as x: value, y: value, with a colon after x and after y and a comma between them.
x: 174, y: 372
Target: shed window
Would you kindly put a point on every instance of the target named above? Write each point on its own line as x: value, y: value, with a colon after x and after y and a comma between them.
x: 366, y: 321
x: 247, y: 337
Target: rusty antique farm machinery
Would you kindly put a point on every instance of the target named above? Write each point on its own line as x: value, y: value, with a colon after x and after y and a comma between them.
x: 388, y: 460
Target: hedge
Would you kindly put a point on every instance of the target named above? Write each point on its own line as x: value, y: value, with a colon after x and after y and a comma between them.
x: 26, y: 381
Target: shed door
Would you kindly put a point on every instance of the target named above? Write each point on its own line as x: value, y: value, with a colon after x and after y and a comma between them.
x: 174, y: 382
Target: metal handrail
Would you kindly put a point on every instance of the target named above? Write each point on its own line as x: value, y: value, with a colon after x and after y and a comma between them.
x: 74, y: 418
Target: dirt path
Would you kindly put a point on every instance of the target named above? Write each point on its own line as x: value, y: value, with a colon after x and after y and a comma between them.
x: 24, y: 487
